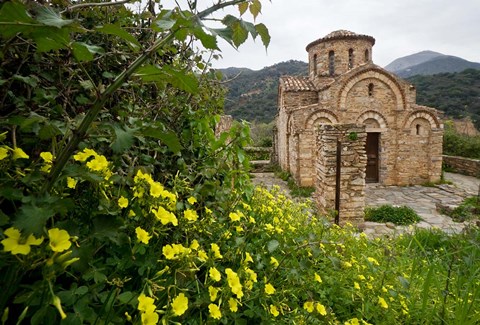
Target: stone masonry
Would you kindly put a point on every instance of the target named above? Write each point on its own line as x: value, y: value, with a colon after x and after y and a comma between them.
x: 352, y: 181
x: 344, y: 86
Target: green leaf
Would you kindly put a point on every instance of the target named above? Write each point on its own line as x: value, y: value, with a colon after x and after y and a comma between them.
x: 182, y: 80
x: 116, y: 30
x: 229, y: 20
x: 250, y: 28
x: 239, y: 35
x: 264, y: 34
x: 150, y: 73
x: 84, y: 52
x: 32, y: 218
x: 208, y: 41
x: 31, y: 80
x: 167, y: 137
x: 255, y: 8
x: 51, y: 38
x: 48, y: 131
x: 273, y: 245
x: 16, y: 13
x: 126, y: 297
x: 87, y: 84
x: 243, y: 7
x: 47, y: 16
x: 163, y: 21
x: 225, y: 33
x: 124, y: 138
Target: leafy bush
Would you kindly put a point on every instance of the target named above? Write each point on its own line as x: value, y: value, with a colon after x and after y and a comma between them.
x: 402, y: 215
x: 295, y: 190
x: 455, y: 144
x: 467, y: 210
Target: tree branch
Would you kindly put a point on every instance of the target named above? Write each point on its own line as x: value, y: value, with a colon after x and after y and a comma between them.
x: 95, y: 4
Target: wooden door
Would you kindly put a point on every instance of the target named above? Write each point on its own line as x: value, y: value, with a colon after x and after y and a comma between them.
x: 372, y: 157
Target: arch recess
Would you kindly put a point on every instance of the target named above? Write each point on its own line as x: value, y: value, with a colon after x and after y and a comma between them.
x: 372, y: 74
x: 323, y: 114
x: 375, y: 116
x: 432, y: 120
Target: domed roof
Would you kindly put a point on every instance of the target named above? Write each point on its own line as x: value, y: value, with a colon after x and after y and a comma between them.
x: 340, y: 35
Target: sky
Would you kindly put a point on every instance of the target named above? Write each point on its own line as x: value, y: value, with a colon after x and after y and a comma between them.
x: 400, y: 27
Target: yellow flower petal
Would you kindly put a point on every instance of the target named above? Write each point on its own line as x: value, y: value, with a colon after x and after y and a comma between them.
x: 59, y: 240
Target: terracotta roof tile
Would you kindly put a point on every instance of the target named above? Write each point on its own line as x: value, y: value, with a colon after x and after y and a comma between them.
x: 341, y: 34
x: 297, y: 83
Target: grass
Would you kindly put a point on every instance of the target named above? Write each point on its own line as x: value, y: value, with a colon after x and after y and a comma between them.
x: 402, y: 215
x: 295, y: 190
x: 469, y: 209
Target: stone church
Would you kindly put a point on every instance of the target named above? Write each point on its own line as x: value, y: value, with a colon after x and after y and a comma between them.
x: 403, y: 142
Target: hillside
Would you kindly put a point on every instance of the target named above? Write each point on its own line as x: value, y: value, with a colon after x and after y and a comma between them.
x: 252, y: 95
x: 411, y: 60
x: 439, y: 64
x: 457, y: 94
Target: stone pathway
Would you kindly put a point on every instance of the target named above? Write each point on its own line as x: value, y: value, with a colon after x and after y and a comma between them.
x: 420, y: 198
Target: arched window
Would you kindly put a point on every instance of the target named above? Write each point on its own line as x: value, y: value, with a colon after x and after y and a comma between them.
x: 370, y: 90
x: 367, y: 56
x: 331, y: 63
x: 419, y: 129
x: 315, y: 65
x: 350, y: 58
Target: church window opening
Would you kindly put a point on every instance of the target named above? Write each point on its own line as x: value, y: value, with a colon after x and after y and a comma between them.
x: 331, y: 63
x: 370, y: 89
x: 315, y: 65
x: 350, y: 58
x: 418, y: 129
x: 367, y: 56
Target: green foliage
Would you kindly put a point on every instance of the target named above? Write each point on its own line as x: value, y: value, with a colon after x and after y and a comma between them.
x: 399, y: 215
x: 252, y: 95
x: 456, y: 144
x: 469, y: 209
x: 295, y: 190
x: 262, y: 133
x: 454, y: 93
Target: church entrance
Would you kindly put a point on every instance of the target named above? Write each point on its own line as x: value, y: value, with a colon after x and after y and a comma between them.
x: 371, y: 148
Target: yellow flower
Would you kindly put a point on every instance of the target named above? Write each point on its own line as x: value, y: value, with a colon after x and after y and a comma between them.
x: 208, y: 211
x: 361, y: 277
x: 15, y: 244
x: 318, y: 278
x: 84, y: 155
x: 356, y: 285
x: 274, y: 311
x: 215, y: 275
x: 234, y: 282
x: 347, y: 264
x: 216, y: 251
x: 251, y: 274
x: 146, y: 304
x: 234, y: 216
x: 373, y: 261
x: 202, y: 256
x: 353, y: 321
x: 59, y: 240
x: 320, y: 309
x: 382, y: 303
x: 47, y: 157
x: 309, y: 306
x: 269, y: 289
x: 213, y: 293
x: 165, y: 216
x: 190, y: 215
x: 142, y: 235
x: 18, y: 153
x: 194, y: 245
x: 192, y: 200
x: 180, y: 304
x: 122, y: 202
x: 232, y: 303
x: 274, y: 261
x: 171, y: 251
x: 131, y: 213
x: 71, y: 182
x: 57, y: 303
x: 248, y: 258
x: 99, y: 163
x: 215, y: 312
x: 156, y: 189
x: 149, y: 318
x: 3, y: 152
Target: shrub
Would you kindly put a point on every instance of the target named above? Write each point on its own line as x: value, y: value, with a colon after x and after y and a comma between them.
x: 402, y: 215
x: 467, y: 210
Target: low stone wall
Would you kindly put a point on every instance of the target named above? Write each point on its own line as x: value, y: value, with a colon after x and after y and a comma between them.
x: 465, y: 166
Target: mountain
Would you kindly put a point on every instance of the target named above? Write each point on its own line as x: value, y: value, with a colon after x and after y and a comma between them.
x: 411, y: 60
x: 252, y: 95
x: 429, y: 63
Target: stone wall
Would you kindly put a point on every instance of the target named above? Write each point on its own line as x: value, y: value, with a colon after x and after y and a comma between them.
x: 353, y: 162
x: 224, y: 125
x: 465, y: 166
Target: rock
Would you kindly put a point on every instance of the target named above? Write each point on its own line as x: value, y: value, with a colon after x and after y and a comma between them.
x: 390, y: 225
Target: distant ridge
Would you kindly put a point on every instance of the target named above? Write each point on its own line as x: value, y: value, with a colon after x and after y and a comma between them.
x: 429, y: 63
